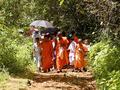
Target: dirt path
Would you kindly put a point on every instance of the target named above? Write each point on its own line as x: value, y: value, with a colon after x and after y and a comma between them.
x: 64, y: 81
x: 53, y: 81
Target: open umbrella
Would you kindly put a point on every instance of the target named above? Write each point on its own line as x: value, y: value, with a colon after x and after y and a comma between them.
x: 41, y: 23
x: 50, y: 31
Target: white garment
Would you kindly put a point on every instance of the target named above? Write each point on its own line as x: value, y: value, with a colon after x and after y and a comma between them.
x: 37, y: 56
x: 34, y: 35
x: 54, y: 51
x: 72, y: 47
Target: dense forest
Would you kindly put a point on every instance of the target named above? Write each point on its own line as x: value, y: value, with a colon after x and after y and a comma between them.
x: 98, y: 20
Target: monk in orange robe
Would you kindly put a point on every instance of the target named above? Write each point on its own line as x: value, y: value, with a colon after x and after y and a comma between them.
x: 79, y: 62
x: 61, y: 52
x: 86, y: 48
x: 47, y: 54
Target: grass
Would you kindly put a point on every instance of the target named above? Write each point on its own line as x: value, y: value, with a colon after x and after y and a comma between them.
x: 4, y: 75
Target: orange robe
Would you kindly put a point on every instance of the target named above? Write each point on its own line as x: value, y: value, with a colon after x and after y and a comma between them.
x: 79, y: 56
x: 85, y: 53
x: 85, y: 48
x: 61, y: 53
x: 47, y: 54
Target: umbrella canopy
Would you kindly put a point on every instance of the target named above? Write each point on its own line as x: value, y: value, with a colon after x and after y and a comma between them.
x: 50, y: 30
x: 41, y: 23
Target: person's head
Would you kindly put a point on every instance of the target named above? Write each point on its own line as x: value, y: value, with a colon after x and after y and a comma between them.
x: 52, y: 36
x: 55, y: 34
x: 59, y: 34
x: 73, y: 33
x: 36, y: 32
x: 42, y: 37
x: 86, y: 41
x: 80, y: 41
x: 32, y: 27
x: 63, y: 33
x: 37, y: 39
x: 47, y: 36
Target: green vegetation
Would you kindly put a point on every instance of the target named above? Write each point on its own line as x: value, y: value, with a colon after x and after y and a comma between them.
x: 4, y: 75
x: 105, y: 61
x: 15, y: 51
x: 95, y: 19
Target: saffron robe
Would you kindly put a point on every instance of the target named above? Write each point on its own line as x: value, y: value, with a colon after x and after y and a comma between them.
x: 61, y: 53
x: 79, y: 56
x: 47, y: 54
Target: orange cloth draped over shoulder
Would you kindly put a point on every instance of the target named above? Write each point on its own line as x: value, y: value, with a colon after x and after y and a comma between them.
x: 61, y: 53
x: 85, y: 48
x: 85, y: 53
x: 79, y: 57
x: 47, y: 54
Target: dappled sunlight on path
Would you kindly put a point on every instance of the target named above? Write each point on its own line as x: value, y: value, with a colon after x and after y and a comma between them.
x: 53, y: 81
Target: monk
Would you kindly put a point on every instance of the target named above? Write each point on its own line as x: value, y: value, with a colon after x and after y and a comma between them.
x: 46, y: 53
x: 86, y: 46
x: 61, y: 52
x: 79, y: 62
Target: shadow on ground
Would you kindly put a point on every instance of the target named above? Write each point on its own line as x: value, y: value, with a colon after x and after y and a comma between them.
x: 80, y: 81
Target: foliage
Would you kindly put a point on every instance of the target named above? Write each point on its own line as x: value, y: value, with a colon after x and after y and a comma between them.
x: 4, y: 75
x: 15, y: 51
x: 96, y: 19
x: 111, y: 82
x: 105, y: 61
x: 89, y: 18
x: 67, y: 15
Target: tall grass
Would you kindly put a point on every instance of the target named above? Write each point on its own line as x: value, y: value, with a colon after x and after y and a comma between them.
x: 4, y: 75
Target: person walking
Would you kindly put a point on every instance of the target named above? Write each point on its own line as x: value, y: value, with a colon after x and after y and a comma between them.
x: 61, y: 52
x: 47, y: 53
x: 36, y: 53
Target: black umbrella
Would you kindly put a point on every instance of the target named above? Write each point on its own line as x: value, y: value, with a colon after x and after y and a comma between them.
x: 50, y: 31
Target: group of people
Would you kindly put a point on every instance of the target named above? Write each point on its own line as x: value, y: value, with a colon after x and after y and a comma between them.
x: 56, y: 51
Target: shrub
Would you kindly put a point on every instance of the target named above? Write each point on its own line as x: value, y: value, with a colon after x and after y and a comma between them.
x: 4, y: 75
x: 105, y: 61
x: 15, y: 51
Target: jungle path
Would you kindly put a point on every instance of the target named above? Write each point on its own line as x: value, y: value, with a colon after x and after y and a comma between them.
x: 66, y: 80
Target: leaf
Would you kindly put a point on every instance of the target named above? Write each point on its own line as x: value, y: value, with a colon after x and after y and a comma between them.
x: 61, y: 2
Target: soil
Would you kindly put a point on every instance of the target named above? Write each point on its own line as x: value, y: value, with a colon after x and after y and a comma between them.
x: 66, y: 80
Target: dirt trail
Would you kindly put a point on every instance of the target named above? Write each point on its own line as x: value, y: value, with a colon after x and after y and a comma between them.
x: 54, y: 81
x: 64, y: 81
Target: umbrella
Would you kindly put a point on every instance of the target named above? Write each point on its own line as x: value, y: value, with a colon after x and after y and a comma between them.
x: 41, y: 23
x: 50, y: 30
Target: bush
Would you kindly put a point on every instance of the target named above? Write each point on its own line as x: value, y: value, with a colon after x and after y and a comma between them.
x: 15, y: 51
x: 112, y: 82
x: 4, y: 75
x: 105, y: 61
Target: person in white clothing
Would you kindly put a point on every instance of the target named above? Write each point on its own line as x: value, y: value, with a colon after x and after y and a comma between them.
x: 71, y: 48
x: 36, y: 53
